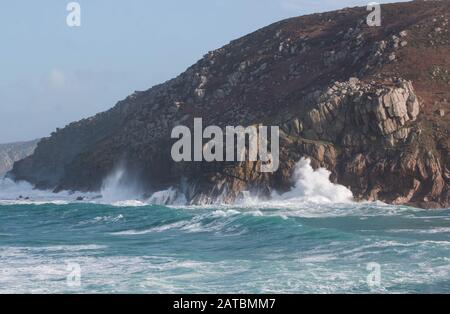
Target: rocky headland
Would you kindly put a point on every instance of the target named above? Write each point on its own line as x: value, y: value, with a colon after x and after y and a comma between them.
x: 370, y: 104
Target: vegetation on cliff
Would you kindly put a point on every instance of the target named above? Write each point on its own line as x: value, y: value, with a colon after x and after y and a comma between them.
x: 370, y: 104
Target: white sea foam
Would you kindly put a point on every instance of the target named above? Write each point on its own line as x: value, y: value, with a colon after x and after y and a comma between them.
x: 119, y: 187
x: 315, y: 185
x: 170, y: 196
x: 122, y: 190
x: 225, y: 213
x: 312, y: 188
x: 325, y: 271
x: 218, y: 221
x: 422, y: 231
x: 117, y: 190
x: 175, y: 225
x: 126, y: 203
x: 23, y: 193
x: 312, y: 195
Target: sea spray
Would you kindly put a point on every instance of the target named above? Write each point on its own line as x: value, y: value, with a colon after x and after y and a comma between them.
x: 315, y: 185
x: 309, y: 186
x: 121, y: 186
x: 170, y: 196
x: 23, y: 192
x: 123, y: 189
x: 13, y: 190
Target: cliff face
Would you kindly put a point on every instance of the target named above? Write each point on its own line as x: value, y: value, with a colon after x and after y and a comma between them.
x: 12, y: 152
x: 368, y: 103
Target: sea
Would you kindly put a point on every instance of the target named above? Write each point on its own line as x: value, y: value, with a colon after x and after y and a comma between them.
x: 312, y: 239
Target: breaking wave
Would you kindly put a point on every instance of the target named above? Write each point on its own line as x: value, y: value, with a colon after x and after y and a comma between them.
x: 170, y: 196
x: 310, y: 187
x: 315, y: 186
x: 24, y: 193
x: 119, y: 186
x: 121, y: 189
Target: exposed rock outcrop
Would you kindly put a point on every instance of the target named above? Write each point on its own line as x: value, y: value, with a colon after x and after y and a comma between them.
x: 12, y: 152
x: 360, y: 101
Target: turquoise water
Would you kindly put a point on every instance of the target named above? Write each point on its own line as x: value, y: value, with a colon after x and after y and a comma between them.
x: 303, y: 248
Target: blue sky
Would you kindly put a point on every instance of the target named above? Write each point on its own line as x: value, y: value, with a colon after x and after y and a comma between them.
x: 51, y: 74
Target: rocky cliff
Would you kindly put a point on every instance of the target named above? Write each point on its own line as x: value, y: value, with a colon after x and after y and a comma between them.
x: 368, y: 103
x: 12, y: 152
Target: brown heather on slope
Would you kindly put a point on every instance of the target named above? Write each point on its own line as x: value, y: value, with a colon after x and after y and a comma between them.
x: 371, y: 104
